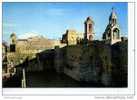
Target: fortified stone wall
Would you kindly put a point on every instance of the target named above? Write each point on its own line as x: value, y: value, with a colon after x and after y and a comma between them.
x: 96, y: 62
x: 120, y: 63
x: 72, y: 61
x: 88, y: 63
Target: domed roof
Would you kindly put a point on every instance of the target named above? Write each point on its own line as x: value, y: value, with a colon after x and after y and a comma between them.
x: 13, y: 34
x: 88, y: 18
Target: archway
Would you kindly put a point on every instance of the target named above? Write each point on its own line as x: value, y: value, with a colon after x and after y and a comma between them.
x: 115, y: 33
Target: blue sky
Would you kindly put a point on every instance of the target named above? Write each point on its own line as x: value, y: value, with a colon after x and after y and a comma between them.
x: 52, y: 19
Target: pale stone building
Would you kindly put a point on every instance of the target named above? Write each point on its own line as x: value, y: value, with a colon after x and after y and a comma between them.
x: 80, y: 37
x: 70, y: 37
x: 112, y: 31
x: 13, y: 41
x: 89, y: 30
x: 29, y: 47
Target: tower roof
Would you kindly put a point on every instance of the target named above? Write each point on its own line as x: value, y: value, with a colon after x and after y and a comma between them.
x: 89, y: 19
x: 113, y: 14
x: 13, y: 34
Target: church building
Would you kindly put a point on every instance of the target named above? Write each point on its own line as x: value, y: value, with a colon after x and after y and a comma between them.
x: 112, y: 31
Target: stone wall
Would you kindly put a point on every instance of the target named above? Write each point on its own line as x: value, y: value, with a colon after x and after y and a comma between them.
x: 88, y: 63
x: 120, y: 63
x: 96, y: 62
x: 72, y: 61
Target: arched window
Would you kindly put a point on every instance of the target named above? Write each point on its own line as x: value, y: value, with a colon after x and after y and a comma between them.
x: 13, y: 41
x: 115, y: 33
x: 90, y: 38
x: 90, y: 27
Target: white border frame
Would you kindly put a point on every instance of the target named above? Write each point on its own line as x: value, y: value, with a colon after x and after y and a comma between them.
x: 91, y: 91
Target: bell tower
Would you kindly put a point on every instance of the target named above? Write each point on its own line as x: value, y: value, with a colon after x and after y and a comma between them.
x: 112, y: 31
x: 89, y: 32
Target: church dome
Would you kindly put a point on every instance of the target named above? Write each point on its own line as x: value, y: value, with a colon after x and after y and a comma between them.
x: 89, y: 18
x: 12, y: 35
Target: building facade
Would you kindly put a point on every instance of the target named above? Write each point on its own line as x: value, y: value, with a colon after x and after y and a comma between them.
x: 89, y: 30
x: 112, y: 31
x: 70, y: 37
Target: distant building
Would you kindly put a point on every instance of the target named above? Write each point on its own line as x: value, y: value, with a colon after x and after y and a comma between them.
x: 33, y: 44
x: 29, y: 47
x: 89, y: 30
x: 4, y: 56
x: 4, y: 50
x: 112, y: 31
x: 70, y: 37
x: 79, y: 37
